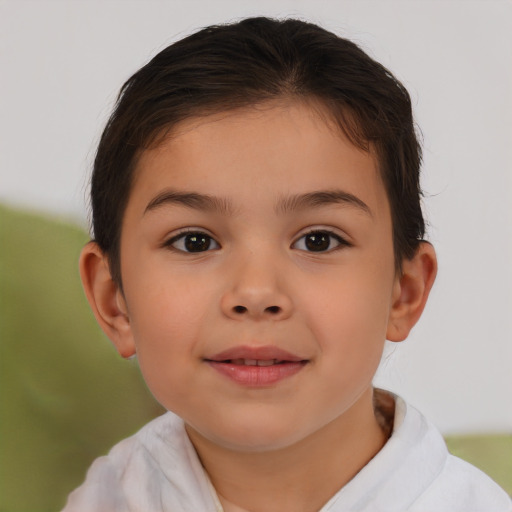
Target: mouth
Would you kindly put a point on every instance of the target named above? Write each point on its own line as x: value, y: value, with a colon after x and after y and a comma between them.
x: 257, y: 367
x: 254, y: 362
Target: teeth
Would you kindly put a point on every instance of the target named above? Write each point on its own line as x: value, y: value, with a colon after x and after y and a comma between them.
x: 255, y: 362
x: 266, y: 363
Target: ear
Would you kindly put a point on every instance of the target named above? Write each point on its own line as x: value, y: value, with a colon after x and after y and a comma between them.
x: 106, y: 299
x: 411, y: 291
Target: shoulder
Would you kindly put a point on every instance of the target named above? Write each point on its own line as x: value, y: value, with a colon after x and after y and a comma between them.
x: 157, y: 465
x: 454, y: 485
x: 414, y: 472
x: 109, y: 475
x: 462, y: 487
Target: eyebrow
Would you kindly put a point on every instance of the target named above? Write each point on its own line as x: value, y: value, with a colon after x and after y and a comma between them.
x: 190, y: 200
x: 284, y: 205
x: 321, y: 198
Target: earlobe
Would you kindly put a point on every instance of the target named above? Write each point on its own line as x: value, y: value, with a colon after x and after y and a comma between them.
x: 106, y: 299
x: 411, y: 292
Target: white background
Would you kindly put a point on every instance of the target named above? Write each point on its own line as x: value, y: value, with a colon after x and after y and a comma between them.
x: 62, y: 63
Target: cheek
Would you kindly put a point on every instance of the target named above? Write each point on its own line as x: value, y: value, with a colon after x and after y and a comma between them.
x: 169, y: 313
x: 166, y: 298
x: 165, y: 322
x: 349, y: 315
x: 351, y: 341
x: 165, y: 338
x: 357, y: 302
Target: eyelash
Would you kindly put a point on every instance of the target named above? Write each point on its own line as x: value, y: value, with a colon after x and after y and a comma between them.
x: 191, y: 232
x: 341, y: 242
x: 208, y: 240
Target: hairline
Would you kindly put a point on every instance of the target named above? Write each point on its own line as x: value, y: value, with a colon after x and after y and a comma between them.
x: 220, y: 109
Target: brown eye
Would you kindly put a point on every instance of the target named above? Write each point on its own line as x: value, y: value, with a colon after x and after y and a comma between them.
x: 193, y: 242
x: 319, y: 241
x: 197, y: 243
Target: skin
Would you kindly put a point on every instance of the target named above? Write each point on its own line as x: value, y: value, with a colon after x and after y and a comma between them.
x: 292, y: 444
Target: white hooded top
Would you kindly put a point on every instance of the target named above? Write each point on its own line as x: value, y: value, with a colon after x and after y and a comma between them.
x: 157, y: 470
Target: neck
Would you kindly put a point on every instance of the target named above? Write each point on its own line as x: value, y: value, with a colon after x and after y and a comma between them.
x: 301, y: 477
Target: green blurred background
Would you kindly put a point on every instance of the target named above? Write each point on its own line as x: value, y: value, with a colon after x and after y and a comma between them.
x: 65, y: 395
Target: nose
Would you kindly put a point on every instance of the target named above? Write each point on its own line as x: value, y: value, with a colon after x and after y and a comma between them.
x: 256, y: 291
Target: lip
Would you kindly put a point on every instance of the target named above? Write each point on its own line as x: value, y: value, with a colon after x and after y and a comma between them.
x: 262, y: 353
x: 257, y: 376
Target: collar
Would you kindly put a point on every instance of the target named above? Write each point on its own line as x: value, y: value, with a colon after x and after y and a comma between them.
x: 403, y: 469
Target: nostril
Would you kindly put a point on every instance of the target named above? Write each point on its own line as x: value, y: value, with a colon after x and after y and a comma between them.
x: 273, y: 309
x: 240, y: 309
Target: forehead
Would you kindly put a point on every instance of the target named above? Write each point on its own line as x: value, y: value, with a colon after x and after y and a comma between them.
x: 291, y: 146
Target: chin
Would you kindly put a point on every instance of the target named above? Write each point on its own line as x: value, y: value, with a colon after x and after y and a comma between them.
x: 256, y: 437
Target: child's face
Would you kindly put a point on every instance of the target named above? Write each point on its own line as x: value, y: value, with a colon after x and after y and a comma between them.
x: 265, y: 235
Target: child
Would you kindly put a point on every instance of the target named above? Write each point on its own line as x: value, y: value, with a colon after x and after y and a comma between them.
x: 257, y: 236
